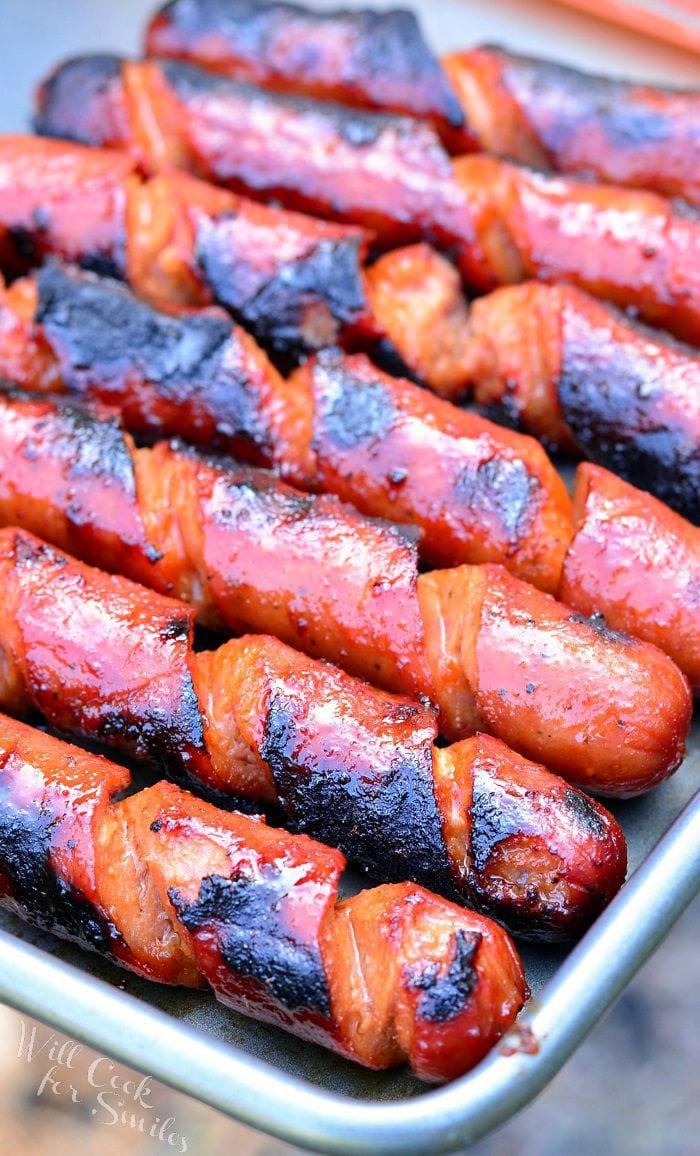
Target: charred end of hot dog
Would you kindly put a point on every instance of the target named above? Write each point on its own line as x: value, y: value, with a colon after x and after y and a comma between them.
x: 524, y: 845
x: 47, y: 817
x: 83, y: 99
x: 65, y: 201
x: 629, y: 397
x: 301, y: 301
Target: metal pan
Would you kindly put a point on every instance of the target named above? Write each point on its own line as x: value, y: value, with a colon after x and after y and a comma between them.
x: 255, y: 1073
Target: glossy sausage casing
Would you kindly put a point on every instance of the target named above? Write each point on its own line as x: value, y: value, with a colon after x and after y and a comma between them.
x: 555, y: 685
x: 478, y: 494
x: 44, y: 210
x: 501, y: 223
x: 183, y: 892
x: 244, y: 548
x: 638, y: 563
x: 251, y: 553
x: 628, y: 246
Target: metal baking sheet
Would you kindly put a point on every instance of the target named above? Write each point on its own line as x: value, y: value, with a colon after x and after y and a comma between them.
x: 258, y: 1074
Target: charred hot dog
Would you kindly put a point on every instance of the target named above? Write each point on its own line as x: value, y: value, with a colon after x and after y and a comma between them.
x: 502, y: 224
x: 479, y: 494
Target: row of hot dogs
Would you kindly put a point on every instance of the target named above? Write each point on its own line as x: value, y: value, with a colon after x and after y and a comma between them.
x: 291, y: 550
x: 472, y: 492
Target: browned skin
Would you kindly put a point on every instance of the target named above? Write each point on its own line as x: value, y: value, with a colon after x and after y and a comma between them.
x: 103, y: 658
x: 184, y: 893
x: 255, y: 555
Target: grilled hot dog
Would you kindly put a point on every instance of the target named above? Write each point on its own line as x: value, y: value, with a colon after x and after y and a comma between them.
x: 182, y: 892
x: 531, y: 110
x: 479, y: 494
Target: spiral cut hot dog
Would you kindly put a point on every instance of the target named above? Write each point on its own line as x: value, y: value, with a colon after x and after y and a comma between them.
x: 182, y: 892
x: 491, y: 652
x: 583, y: 377
x: 479, y: 493
x: 534, y: 111
x: 501, y: 223
x: 106, y: 659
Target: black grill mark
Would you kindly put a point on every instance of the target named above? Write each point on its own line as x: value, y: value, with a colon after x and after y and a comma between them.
x: 495, y: 816
x: 47, y: 900
x: 384, y: 817
x: 277, y: 311
x: 506, y: 487
x: 247, y: 914
x: 446, y: 995
x: 101, y: 332
x: 351, y: 412
x: 90, y: 445
x: 596, y: 622
x: 613, y: 405
x: 582, y: 98
x: 586, y: 814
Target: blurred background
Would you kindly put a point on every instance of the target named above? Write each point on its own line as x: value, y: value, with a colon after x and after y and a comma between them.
x: 633, y: 1089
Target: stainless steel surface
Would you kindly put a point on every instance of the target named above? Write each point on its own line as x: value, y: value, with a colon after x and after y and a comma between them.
x: 248, y: 1070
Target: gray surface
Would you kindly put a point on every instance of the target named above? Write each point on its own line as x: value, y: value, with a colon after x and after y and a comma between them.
x: 32, y: 36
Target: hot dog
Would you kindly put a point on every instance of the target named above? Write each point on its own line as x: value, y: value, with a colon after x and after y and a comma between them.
x: 478, y: 493
x: 534, y: 111
x: 182, y: 892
